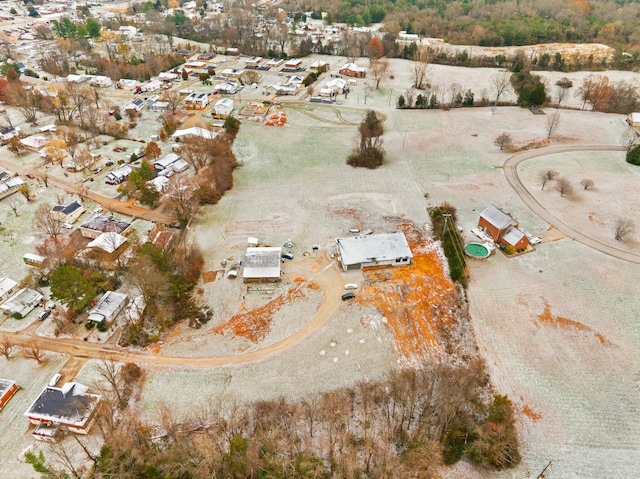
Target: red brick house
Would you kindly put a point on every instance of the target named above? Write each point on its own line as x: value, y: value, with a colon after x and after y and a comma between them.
x: 353, y: 70
x: 7, y: 390
x: 502, y: 228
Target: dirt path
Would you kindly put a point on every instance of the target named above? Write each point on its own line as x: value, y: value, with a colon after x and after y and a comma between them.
x: 511, y: 173
x: 107, y: 203
x: 328, y: 279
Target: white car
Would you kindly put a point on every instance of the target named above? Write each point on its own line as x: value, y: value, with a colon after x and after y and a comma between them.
x: 351, y: 286
x: 67, y: 226
x: 534, y: 240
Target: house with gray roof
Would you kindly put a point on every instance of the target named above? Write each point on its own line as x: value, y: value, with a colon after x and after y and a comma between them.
x: 390, y: 249
x: 70, y: 407
x: 262, y: 264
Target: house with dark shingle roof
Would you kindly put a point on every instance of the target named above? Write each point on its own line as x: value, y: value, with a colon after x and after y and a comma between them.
x: 68, y: 213
x: 69, y: 407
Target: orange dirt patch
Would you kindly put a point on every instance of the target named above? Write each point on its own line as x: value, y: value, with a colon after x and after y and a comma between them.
x: 278, y: 118
x: 595, y: 219
x: 255, y: 324
x: 418, y: 300
x: 209, y: 276
x: 547, y: 318
x: 531, y: 414
x: 155, y: 348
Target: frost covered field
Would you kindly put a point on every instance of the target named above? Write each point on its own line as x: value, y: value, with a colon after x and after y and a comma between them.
x: 556, y: 326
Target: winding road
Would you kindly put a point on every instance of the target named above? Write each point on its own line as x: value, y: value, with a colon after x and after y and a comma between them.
x: 511, y: 173
x: 327, y: 278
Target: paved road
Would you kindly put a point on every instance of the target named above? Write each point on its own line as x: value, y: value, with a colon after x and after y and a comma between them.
x: 328, y: 279
x: 511, y: 173
x: 109, y: 204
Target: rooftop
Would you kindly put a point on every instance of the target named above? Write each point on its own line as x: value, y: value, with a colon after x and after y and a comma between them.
x: 70, y: 405
x: 375, y: 247
x: 496, y: 217
x: 262, y: 262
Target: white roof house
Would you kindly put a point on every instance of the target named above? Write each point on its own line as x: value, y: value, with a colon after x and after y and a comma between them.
x: 225, y: 88
x: 358, y: 252
x: 223, y: 107
x: 196, y: 131
x: 165, y: 161
x: 108, y: 242
x: 10, y: 186
x: 127, y: 84
x: 7, y: 286
x: 108, y: 307
x: 35, y: 142
x: 100, y: 81
x: 159, y: 183
x: 22, y: 302
x: 262, y: 264
x: 275, y: 62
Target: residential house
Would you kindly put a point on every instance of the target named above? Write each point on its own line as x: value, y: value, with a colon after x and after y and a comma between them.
x: 196, y: 131
x: 68, y: 213
x: 262, y: 264
x: 127, y: 84
x: 207, y: 56
x: 7, y: 390
x: 160, y: 183
x: 274, y: 62
x: 100, y: 81
x: 226, y: 88
x: 34, y: 142
x: 22, y: 302
x: 198, y: 65
x: 633, y: 119
x: 118, y: 175
x: 253, y: 61
x: 168, y: 76
x: 364, y: 251
x: 319, y: 66
x: 109, y: 242
x: 10, y: 186
x: 108, y: 307
x: 137, y: 104
x: 197, y: 101
x: 70, y: 407
x: 232, y: 51
x: 172, y: 161
x: 101, y: 223
x: 223, y: 108
x: 8, y: 132
x: 7, y: 287
x: 353, y: 70
x: 293, y: 63
x: 231, y: 73
x: 502, y: 228
x: 278, y: 88
x: 71, y: 78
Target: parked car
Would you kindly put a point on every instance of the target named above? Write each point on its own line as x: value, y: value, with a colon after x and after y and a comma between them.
x: 30, y: 176
x: 67, y: 226
x: 44, y: 314
x: 534, y: 240
x: 108, y: 163
x: 351, y: 286
x: 98, y: 209
x: 97, y: 170
x: 347, y: 296
x: 50, y: 305
x: 287, y: 255
x: 54, y: 380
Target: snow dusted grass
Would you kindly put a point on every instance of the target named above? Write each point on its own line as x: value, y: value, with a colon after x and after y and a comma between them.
x: 16, y: 434
x: 351, y: 348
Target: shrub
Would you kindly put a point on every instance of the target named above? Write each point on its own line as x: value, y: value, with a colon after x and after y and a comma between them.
x: 102, y: 326
x: 508, y: 249
x: 633, y: 155
x: 16, y: 315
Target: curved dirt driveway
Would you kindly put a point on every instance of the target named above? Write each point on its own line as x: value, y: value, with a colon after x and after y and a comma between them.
x: 328, y: 279
x: 511, y: 173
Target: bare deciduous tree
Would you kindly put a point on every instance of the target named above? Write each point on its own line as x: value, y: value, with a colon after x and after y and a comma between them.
x: 503, y: 140
x: 546, y: 176
x: 35, y: 352
x: 563, y: 186
x: 500, y: 82
x: 419, y: 67
x: 553, y: 122
x: 586, y: 184
x: 109, y: 371
x: 624, y: 226
x: 46, y: 222
x: 15, y: 204
x: 6, y: 347
x: 629, y: 139
x: 379, y: 71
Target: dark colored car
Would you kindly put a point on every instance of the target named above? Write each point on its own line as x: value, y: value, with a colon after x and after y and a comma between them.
x: 347, y: 296
x: 287, y: 255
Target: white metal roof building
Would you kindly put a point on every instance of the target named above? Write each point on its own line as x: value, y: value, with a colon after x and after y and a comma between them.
x: 108, y: 307
x: 7, y: 285
x: 22, y: 302
x: 262, y: 264
x: 364, y: 251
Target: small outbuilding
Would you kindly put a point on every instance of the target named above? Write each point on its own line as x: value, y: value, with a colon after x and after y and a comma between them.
x: 7, y: 287
x: 7, y: 390
x: 365, y: 251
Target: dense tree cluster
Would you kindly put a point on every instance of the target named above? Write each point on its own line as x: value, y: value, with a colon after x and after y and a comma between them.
x: 369, y: 152
x: 406, y: 426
